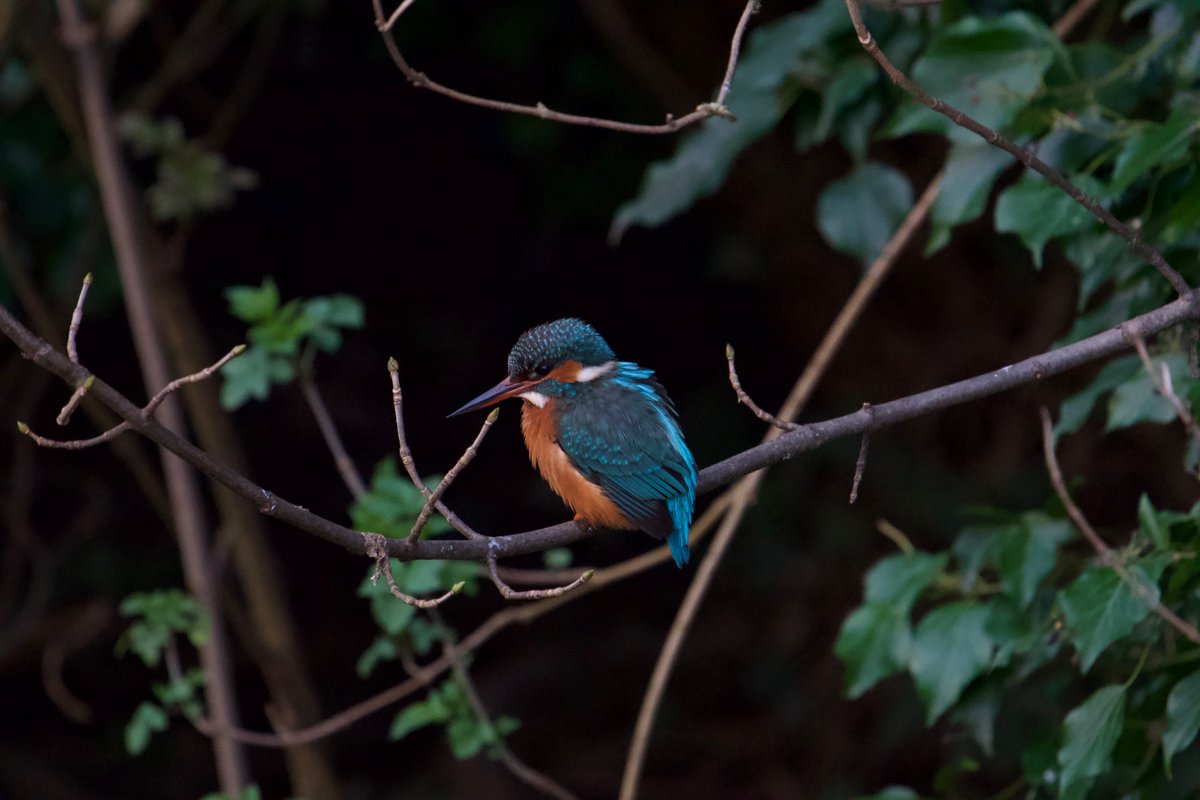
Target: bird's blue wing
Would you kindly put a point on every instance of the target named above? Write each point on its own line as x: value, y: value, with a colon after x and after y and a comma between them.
x: 626, y: 440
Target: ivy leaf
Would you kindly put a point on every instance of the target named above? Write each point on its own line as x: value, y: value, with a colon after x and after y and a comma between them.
x: 1183, y: 716
x: 1154, y: 145
x: 1136, y: 400
x: 970, y: 170
x: 1037, y: 212
x: 1076, y: 409
x: 703, y: 158
x: 1026, y: 553
x: 873, y: 643
x: 1100, y: 608
x: 949, y: 650
x: 1148, y: 519
x: 1090, y: 732
x: 845, y: 87
x: 989, y: 68
x: 899, y: 579
x: 858, y: 213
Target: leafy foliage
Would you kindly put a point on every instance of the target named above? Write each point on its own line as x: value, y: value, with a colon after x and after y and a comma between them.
x: 448, y: 706
x: 190, y: 179
x: 280, y: 335
x: 391, y: 505
x: 159, y: 615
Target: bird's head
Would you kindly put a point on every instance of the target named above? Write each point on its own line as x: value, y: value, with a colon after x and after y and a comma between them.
x: 550, y: 360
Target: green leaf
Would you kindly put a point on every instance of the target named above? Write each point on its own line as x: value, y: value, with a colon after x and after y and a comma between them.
x: 1183, y: 716
x: 380, y: 650
x: 1090, y: 732
x: 847, y: 85
x: 873, y: 643
x: 1076, y: 410
x: 391, y: 613
x: 1154, y: 145
x: 858, y: 213
x: 1026, y: 553
x: 254, y: 304
x: 1158, y: 532
x: 148, y: 719
x: 949, y: 650
x: 247, y: 377
x: 467, y: 736
x: 1136, y: 400
x: 1037, y: 212
x: 988, y: 68
x: 892, y: 793
x: 899, y: 579
x: 392, y: 504
x: 415, y: 716
x: 968, y: 175
x: 704, y: 157
x: 1100, y: 608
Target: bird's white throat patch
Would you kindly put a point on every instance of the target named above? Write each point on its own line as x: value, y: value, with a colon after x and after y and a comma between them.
x: 591, y: 373
x: 538, y: 400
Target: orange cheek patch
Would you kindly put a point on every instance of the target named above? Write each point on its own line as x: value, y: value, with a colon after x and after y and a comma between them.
x: 567, y: 372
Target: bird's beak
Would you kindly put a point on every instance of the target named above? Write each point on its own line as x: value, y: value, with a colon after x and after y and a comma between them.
x: 501, y: 391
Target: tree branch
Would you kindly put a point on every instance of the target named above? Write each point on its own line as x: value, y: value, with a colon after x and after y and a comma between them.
x: 703, y: 111
x: 806, y: 438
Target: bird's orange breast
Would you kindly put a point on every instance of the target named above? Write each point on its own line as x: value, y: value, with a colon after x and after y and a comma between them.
x: 583, y: 496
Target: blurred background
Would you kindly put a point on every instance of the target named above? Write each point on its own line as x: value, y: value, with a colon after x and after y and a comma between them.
x: 459, y: 228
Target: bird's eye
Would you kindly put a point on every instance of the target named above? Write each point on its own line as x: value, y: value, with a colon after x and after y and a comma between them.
x: 542, y: 369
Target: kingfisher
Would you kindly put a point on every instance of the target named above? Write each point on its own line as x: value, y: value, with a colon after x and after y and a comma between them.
x: 602, y: 432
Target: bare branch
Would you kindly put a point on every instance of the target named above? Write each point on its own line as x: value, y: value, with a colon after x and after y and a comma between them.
x: 433, y: 497
x: 77, y: 319
x: 377, y: 549
x: 144, y: 413
x: 672, y: 124
x: 76, y: 398
x: 1162, y: 382
x: 1108, y: 557
x: 1024, y: 155
x: 329, y: 432
x: 804, y: 439
x: 746, y: 400
x: 508, y: 593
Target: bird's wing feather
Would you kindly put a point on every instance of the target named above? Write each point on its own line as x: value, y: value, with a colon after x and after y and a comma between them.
x: 628, y: 443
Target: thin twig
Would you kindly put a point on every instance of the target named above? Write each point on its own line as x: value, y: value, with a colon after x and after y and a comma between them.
x: 1022, y: 154
x: 144, y: 413
x: 861, y: 464
x: 400, y: 9
x: 1162, y: 382
x: 1108, y: 557
x: 76, y: 398
x: 377, y: 549
x: 329, y: 432
x: 431, y: 499
x: 410, y: 465
x: 509, y: 593
x: 672, y: 124
x: 520, y: 770
x: 745, y: 399
x: 77, y: 319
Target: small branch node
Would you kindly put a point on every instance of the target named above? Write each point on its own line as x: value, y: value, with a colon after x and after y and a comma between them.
x: 376, y: 547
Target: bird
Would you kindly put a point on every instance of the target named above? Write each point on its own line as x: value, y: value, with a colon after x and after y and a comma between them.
x: 603, y: 433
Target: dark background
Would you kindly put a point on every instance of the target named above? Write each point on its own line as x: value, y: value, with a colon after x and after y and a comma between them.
x: 459, y: 228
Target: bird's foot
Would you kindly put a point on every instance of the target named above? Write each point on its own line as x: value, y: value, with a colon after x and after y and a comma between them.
x: 584, y: 524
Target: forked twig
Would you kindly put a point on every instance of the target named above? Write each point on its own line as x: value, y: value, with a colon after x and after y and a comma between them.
x: 434, y: 497
x: 703, y: 111
x: 145, y: 412
x: 377, y: 549
x: 509, y: 593
x: 1108, y: 557
x: 410, y: 466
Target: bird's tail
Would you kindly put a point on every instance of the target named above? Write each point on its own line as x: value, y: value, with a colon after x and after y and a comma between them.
x: 681, y: 517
